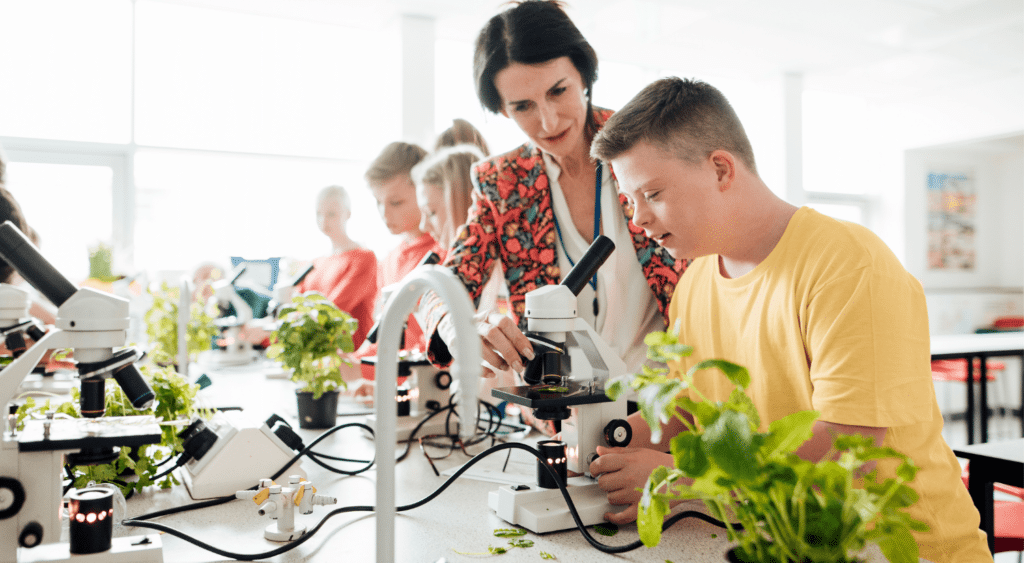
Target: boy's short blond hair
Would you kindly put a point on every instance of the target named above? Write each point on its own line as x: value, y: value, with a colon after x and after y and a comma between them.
x: 396, y: 159
x: 688, y: 119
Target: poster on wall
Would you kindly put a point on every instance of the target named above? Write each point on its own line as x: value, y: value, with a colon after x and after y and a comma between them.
x: 951, y: 221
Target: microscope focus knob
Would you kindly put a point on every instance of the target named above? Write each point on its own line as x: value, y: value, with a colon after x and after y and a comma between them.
x: 443, y: 380
x: 31, y: 535
x: 12, y: 497
x: 618, y: 433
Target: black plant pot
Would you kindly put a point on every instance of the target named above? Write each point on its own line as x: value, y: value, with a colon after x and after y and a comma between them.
x: 319, y: 413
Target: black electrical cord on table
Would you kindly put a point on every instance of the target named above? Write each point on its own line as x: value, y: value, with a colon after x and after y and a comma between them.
x: 228, y: 498
x: 139, y: 522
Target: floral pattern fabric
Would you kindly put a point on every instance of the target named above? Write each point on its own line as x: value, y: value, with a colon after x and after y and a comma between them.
x: 512, y: 220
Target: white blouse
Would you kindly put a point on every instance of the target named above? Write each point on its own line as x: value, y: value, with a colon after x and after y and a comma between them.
x: 627, y: 309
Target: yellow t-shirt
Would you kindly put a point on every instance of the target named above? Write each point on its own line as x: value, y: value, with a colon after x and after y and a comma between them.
x: 831, y: 321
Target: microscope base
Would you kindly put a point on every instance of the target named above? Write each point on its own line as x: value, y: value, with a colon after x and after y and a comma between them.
x: 274, y: 533
x: 126, y: 550
x: 544, y: 510
x: 406, y: 424
x: 225, y: 358
x: 58, y: 384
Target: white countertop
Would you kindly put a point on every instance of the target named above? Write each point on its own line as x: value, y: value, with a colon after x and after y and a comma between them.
x: 970, y: 343
x: 458, y: 520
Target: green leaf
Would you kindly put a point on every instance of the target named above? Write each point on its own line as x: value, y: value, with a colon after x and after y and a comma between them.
x: 737, y: 374
x: 688, y: 451
x: 787, y: 434
x: 729, y: 444
x: 652, y: 510
x: 524, y: 543
x: 899, y: 546
x: 546, y: 555
x: 496, y: 550
x: 509, y: 532
x: 606, y: 529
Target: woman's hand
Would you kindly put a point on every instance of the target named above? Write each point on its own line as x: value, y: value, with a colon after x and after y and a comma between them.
x: 503, y: 345
x: 622, y: 474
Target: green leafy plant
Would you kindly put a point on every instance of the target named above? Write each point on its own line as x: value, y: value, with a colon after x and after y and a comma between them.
x: 101, y: 258
x: 162, y: 326
x: 790, y: 509
x: 175, y: 400
x: 313, y: 331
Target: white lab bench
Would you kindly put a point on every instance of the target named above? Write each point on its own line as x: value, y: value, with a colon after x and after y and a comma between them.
x: 457, y: 520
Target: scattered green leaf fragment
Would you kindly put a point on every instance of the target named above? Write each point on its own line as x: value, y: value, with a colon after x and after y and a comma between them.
x: 509, y: 532
x: 496, y: 550
x: 714, y: 536
x: 521, y: 543
x: 553, y: 389
x: 546, y: 555
x: 606, y: 529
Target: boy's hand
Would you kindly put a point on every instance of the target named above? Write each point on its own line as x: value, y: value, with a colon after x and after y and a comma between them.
x: 622, y: 473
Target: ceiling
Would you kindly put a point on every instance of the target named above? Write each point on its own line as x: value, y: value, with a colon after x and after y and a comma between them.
x: 891, y: 49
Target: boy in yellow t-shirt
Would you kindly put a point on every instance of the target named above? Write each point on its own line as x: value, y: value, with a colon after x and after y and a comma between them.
x: 820, y: 311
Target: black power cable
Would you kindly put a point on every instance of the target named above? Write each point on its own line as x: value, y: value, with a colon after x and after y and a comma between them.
x: 142, y: 523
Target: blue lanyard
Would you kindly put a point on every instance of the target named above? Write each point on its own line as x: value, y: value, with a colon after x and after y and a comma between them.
x: 597, y: 231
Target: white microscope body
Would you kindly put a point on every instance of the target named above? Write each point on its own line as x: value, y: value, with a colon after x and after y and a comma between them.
x: 566, y: 382
x: 32, y: 461
x: 15, y: 323
x: 236, y: 350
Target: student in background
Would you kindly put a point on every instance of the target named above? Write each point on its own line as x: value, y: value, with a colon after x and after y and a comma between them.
x: 444, y: 190
x: 346, y: 276
x: 461, y: 132
x: 391, y: 183
x: 819, y: 310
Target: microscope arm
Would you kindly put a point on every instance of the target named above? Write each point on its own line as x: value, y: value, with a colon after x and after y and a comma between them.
x: 465, y: 369
x: 12, y: 376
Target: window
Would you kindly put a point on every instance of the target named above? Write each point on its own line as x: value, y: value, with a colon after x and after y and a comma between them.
x: 194, y: 206
x: 66, y: 70
x: 69, y: 206
x: 217, y: 80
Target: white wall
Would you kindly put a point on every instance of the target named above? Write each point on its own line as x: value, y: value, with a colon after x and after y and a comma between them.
x: 998, y: 169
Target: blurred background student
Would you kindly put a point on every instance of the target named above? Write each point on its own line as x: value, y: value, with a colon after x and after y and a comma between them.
x: 348, y: 274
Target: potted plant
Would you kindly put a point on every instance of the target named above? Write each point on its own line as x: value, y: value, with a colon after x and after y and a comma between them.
x: 790, y: 509
x: 162, y: 326
x: 175, y: 401
x: 311, y: 340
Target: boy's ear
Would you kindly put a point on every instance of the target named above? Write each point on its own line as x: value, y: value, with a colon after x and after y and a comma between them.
x: 724, y: 164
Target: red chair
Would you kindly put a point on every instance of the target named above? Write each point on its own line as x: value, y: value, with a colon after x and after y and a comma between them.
x: 1007, y: 517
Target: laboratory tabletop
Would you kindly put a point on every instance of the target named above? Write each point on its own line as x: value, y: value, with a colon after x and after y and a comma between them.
x: 979, y: 346
x: 458, y: 520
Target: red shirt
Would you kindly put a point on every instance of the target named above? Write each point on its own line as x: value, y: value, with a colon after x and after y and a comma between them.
x: 399, y: 262
x: 349, y: 279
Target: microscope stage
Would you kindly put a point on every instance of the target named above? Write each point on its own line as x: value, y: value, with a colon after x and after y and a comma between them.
x: 539, y: 396
x: 79, y: 433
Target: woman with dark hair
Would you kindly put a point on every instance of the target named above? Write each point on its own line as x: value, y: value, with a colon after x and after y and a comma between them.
x: 537, y: 208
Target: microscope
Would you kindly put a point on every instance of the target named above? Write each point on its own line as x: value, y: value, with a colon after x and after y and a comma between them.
x: 566, y: 383
x: 236, y: 351
x: 15, y: 324
x: 424, y: 389
x: 94, y: 324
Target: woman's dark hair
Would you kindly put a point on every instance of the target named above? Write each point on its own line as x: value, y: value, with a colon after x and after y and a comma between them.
x: 531, y: 32
x: 10, y: 211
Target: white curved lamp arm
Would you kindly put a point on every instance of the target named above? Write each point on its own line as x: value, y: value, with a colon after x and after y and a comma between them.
x: 465, y: 370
